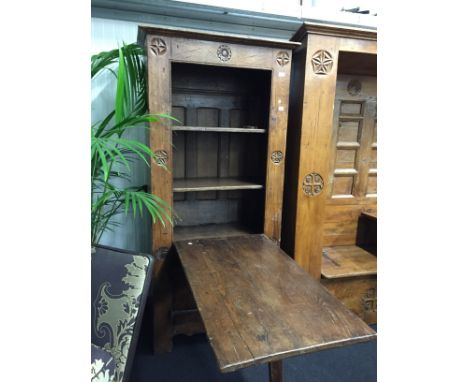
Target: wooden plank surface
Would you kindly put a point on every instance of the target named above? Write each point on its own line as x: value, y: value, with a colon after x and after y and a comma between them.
x: 258, y: 305
x: 347, y: 261
x: 219, y: 129
x: 209, y: 184
x: 209, y: 230
x: 359, y: 294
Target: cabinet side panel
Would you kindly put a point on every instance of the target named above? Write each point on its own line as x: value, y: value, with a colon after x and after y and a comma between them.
x: 293, y: 149
x: 159, y: 101
x: 279, y: 108
x: 316, y: 131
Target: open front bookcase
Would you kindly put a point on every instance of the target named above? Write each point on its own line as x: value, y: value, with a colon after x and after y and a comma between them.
x: 219, y: 149
x: 225, y: 157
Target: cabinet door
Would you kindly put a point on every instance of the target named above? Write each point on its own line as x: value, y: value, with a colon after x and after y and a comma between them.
x: 353, y: 171
x: 353, y: 159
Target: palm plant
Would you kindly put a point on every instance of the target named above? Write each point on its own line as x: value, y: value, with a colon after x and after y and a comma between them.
x: 112, y: 150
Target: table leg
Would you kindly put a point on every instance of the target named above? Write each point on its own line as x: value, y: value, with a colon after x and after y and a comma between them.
x: 275, y: 370
x: 162, y: 307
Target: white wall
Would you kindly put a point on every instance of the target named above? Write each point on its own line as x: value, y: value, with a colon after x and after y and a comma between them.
x: 329, y: 10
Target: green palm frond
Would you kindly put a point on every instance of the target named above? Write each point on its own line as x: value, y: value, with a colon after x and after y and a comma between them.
x: 112, y: 150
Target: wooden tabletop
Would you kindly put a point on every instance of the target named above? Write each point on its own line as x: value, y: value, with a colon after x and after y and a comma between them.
x: 258, y: 305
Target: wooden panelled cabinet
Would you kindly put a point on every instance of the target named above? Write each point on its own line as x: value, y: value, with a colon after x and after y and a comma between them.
x: 331, y: 167
x: 225, y: 159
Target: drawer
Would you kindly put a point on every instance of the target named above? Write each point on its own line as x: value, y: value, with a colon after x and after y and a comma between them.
x: 359, y: 294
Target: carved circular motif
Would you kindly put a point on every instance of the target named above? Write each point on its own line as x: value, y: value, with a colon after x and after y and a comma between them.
x: 276, y: 157
x: 312, y: 184
x: 369, y: 300
x: 354, y: 87
x: 158, y: 46
x: 282, y: 58
x: 322, y: 62
x: 161, y: 157
x: 224, y: 53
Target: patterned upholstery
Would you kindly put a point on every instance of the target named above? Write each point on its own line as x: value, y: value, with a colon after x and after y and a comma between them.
x: 119, y: 286
x: 102, y: 365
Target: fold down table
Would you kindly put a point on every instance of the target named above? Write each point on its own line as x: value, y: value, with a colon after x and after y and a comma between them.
x: 259, y: 306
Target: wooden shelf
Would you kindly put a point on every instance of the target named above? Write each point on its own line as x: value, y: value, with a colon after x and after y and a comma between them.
x: 213, y: 184
x: 219, y: 129
x: 347, y: 261
x: 345, y: 171
x: 348, y: 145
x: 208, y: 231
x: 351, y: 116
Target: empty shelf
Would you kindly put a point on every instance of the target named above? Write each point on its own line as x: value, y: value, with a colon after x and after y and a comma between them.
x: 209, y: 230
x: 213, y: 184
x: 347, y: 261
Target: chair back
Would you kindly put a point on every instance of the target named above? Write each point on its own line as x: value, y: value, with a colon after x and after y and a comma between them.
x: 120, y: 282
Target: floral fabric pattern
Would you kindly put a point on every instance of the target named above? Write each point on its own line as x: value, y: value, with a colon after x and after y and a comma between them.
x: 116, y: 306
x: 102, y: 365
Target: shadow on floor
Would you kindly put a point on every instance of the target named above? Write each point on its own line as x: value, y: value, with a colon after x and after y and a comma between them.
x: 192, y: 360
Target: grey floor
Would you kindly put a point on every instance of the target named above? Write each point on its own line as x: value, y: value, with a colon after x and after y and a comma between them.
x: 193, y: 360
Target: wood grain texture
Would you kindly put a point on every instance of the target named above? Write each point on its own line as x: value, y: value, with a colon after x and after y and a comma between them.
x: 278, y: 120
x: 215, y: 83
x: 319, y: 148
x: 275, y: 371
x: 359, y: 294
x: 348, y: 193
x: 160, y: 138
x: 316, y: 130
x: 144, y: 29
x: 219, y: 129
x: 209, y: 230
x: 347, y: 261
x: 259, y: 306
x: 213, y: 156
x: 346, y: 32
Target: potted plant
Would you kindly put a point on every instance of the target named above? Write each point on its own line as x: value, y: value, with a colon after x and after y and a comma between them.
x: 112, y: 149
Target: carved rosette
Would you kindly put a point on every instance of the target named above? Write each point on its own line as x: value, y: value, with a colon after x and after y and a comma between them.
x: 158, y: 46
x: 354, y: 87
x: 161, y: 157
x: 312, y: 184
x: 322, y: 62
x: 276, y: 157
x: 369, y: 300
x: 282, y: 58
x: 224, y: 53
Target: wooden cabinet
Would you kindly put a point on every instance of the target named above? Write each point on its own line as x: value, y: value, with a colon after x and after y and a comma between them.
x: 224, y: 161
x: 331, y: 167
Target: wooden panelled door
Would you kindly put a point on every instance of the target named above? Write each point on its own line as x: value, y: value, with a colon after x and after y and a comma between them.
x: 353, y: 164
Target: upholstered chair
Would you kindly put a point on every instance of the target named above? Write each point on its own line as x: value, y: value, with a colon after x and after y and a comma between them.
x: 120, y: 282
